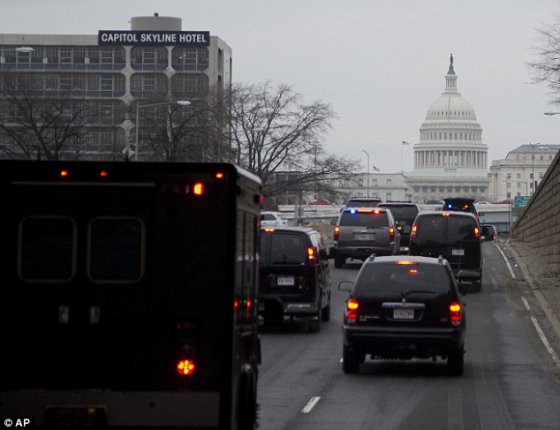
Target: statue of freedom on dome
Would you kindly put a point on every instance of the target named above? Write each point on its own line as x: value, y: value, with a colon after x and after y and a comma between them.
x: 451, y: 71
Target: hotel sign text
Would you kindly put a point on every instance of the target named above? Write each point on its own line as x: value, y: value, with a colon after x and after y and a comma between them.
x: 154, y: 38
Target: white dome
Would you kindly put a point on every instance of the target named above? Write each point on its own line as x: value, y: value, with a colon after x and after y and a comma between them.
x: 451, y: 106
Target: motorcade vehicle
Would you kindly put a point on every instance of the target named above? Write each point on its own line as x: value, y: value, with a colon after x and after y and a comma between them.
x: 272, y: 219
x: 454, y: 235
x: 460, y: 204
x: 489, y: 232
x: 403, y: 307
x: 363, y: 202
x: 360, y: 232
x: 129, y: 292
x: 404, y: 214
x: 294, y: 276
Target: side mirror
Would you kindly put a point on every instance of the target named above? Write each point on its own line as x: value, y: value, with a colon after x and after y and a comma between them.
x: 345, y: 286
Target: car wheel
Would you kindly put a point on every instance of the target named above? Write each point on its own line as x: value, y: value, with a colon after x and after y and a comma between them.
x: 456, y: 362
x: 339, y: 261
x: 315, y: 324
x: 350, y: 361
x: 326, y: 312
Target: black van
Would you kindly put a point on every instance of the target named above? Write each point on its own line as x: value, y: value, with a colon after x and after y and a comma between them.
x: 404, y: 214
x: 294, y: 276
x: 455, y: 236
x: 460, y: 204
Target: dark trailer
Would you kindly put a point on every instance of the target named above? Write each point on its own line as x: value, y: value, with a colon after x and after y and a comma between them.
x: 128, y: 294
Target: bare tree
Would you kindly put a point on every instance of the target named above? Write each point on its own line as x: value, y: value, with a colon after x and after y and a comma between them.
x: 174, y: 132
x: 34, y: 125
x: 547, y: 66
x: 272, y: 130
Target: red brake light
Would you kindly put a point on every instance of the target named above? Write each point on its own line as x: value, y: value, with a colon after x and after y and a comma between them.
x: 405, y: 262
x: 352, y: 306
x: 445, y: 214
x: 455, y: 314
x: 413, y: 231
x: 219, y: 175
x: 269, y: 230
x: 336, y: 232
x: 186, y: 367
x: 310, y: 255
x: 476, y: 232
x: 103, y: 174
x: 391, y: 234
x: 198, y: 189
x: 64, y: 173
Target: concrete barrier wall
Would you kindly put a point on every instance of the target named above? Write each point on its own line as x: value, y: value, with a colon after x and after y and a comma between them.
x: 539, y: 225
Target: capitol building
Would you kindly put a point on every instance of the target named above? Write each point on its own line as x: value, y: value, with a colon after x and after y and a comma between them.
x: 450, y: 159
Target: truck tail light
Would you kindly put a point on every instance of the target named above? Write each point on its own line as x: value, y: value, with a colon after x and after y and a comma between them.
x: 352, y: 306
x: 392, y: 234
x: 186, y: 367
x: 336, y: 233
x: 455, y: 314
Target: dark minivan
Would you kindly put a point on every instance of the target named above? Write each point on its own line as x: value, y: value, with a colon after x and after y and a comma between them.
x: 294, y: 276
x: 453, y: 235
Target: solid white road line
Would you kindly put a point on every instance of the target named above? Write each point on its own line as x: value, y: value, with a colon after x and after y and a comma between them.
x: 310, y: 405
x: 526, y: 303
x: 506, y: 260
x: 544, y: 340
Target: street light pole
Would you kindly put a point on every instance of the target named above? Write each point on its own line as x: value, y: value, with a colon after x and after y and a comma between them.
x: 403, y: 143
x: 367, y: 178
x: 139, y: 106
x: 533, y: 182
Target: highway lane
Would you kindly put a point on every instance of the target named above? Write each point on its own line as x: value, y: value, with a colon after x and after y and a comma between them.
x: 510, y: 380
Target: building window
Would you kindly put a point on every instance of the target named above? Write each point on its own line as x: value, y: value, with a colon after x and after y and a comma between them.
x: 388, y: 196
x: 388, y: 181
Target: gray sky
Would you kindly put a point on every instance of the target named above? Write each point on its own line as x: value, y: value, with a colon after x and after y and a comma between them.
x: 379, y: 63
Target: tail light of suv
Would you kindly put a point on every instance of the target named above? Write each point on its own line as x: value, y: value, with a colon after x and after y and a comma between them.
x: 351, y: 314
x: 476, y: 232
x: 392, y: 234
x: 311, y: 258
x: 336, y: 233
x: 413, y: 231
x: 455, y: 314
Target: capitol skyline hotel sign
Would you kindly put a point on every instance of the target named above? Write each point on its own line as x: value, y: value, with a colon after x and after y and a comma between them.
x: 153, y: 38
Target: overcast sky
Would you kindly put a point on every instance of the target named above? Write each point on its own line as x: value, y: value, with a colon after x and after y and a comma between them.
x: 379, y: 63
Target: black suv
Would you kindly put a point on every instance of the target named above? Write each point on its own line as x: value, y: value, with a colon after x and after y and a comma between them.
x: 403, y: 307
x: 360, y: 232
x: 294, y: 276
x: 454, y: 235
x: 460, y: 204
x: 404, y: 214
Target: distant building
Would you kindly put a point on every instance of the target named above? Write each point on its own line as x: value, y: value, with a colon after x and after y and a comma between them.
x: 520, y: 172
x: 113, y: 71
x: 450, y: 160
x: 386, y: 186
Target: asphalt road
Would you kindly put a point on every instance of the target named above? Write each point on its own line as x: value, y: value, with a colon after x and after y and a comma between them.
x: 511, y: 380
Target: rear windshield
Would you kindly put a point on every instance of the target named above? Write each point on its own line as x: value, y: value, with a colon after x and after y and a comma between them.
x: 364, y: 219
x: 403, y: 213
x: 283, y: 248
x: 439, y: 229
x: 362, y: 203
x: 387, y: 278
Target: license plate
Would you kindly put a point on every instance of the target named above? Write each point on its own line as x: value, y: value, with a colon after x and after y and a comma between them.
x: 75, y: 416
x: 285, y: 281
x: 403, y: 314
x: 363, y: 236
x: 459, y: 252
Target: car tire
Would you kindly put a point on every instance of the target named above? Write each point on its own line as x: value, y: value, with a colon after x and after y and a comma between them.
x: 339, y: 261
x: 351, y: 361
x: 456, y: 362
x: 315, y: 324
x: 326, y: 312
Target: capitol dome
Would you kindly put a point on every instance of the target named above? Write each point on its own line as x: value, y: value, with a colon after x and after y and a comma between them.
x: 450, y: 136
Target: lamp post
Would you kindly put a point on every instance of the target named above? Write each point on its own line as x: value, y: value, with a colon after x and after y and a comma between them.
x: 139, y: 106
x: 367, y: 178
x: 403, y: 143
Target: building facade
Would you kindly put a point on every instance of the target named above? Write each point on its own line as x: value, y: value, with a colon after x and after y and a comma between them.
x: 520, y: 172
x: 100, y: 82
x: 450, y: 159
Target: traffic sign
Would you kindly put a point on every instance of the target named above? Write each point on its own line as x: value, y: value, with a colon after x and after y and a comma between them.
x: 520, y: 201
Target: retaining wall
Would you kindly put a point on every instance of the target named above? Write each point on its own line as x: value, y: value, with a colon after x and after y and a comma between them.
x: 539, y: 225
